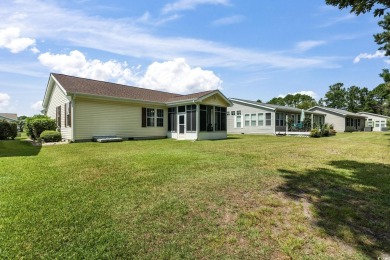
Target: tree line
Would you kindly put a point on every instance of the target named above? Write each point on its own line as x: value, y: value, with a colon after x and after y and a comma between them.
x: 353, y: 98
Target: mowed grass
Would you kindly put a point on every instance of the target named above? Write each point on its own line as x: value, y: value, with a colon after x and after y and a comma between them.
x: 247, y: 197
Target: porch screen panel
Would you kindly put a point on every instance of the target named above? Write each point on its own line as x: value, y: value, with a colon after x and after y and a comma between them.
x: 223, y: 119
x: 217, y: 118
x: 191, y: 118
x: 172, y: 122
x: 203, y: 118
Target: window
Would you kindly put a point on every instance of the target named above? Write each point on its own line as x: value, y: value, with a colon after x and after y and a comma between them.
x: 383, y: 123
x: 228, y: 113
x: 239, y: 112
x: 358, y: 123
x: 253, y: 119
x: 268, y: 119
x: 191, y: 118
x: 260, y: 119
x: 247, y: 120
x: 376, y: 123
x: 150, y: 117
x: 238, y: 121
x: 160, y: 117
x: 369, y: 122
x: 348, y: 121
x: 280, y: 119
x: 233, y: 113
x: 58, y: 116
x: 172, y: 119
x: 68, y: 117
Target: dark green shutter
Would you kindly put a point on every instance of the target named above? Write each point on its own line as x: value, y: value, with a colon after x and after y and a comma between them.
x: 143, y: 117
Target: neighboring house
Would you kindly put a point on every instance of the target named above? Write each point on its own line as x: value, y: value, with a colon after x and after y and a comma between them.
x: 9, y: 117
x: 252, y: 117
x: 342, y: 120
x: 84, y: 108
x: 376, y: 122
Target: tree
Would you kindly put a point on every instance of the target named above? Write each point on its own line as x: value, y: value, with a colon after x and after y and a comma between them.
x: 259, y: 101
x: 21, y: 122
x: 336, y: 96
x: 277, y: 101
x: 301, y: 101
x: 353, y: 99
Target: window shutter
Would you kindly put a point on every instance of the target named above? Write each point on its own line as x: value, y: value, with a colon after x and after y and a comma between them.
x: 143, y: 117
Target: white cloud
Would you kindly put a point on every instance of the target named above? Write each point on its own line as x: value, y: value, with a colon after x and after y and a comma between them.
x: 172, y: 76
x: 377, y: 54
x: 181, y: 5
x: 35, y: 50
x: 147, y: 18
x: 37, y: 106
x: 307, y: 45
x: 4, y: 100
x: 125, y: 37
x: 178, y: 77
x: 228, y: 20
x: 10, y: 39
x: 303, y: 92
x: 338, y: 19
x: 76, y: 64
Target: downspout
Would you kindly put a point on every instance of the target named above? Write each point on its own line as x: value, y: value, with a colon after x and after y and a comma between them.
x: 73, y: 101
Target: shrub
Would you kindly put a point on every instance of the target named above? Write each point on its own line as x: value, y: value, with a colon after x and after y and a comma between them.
x: 332, y: 132
x: 37, y: 124
x: 41, y: 124
x: 8, y: 130
x: 325, y: 132
x: 51, y: 136
x: 315, y: 133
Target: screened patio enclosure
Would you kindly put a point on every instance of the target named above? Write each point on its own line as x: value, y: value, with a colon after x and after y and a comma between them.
x: 197, y: 122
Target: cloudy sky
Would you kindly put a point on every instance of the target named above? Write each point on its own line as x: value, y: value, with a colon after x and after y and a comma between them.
x: 248, y: 49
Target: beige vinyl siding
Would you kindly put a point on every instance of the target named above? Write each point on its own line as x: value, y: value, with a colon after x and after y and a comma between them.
x: 95, y: 117
x: 58, y: 98
x: 215, y: 100
x: 248, y: 109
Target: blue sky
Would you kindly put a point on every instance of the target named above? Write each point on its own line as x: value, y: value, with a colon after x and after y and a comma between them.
x: 248, y: 49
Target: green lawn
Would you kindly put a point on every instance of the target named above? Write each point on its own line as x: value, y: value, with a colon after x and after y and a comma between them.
x: 245, y: 197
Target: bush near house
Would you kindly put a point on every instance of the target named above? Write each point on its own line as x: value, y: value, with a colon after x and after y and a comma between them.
x: 316, y: 133
x: 37, y: 124
x: 51, y: 136
x: 8, y: 130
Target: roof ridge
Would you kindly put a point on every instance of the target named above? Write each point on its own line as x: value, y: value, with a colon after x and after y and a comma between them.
x: 118, y: 84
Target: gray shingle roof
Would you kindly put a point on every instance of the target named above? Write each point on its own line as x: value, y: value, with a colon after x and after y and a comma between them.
x: 274, y: 107
x: 76, y: 85
x: 338, y: 111
x: 9, y: 115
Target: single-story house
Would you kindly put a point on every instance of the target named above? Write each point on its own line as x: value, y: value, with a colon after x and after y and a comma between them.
x: 376, y: 122
x: 251, y: 117
x: 10, y: 117
x: 84, y: 108
x: 342, y: 120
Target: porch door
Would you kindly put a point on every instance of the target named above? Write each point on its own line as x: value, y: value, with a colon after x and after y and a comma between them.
x: 182, y: 124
